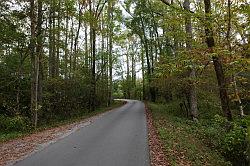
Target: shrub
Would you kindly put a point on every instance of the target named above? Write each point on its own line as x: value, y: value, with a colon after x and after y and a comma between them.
x: 17, y: 123
x: 229, y: 138
x: 234, y: 144
x: 214, y: 131
x: 2, y: 122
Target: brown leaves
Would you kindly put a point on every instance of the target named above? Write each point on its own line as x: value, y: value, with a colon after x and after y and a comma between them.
x: 21, y: 147
x: 157, y: 155
x: 18, y: 149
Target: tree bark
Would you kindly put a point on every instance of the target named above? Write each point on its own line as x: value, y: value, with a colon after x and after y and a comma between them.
x: 217, y: 62
x: 93, y: 59
x: 66, y: 50
x: 39, y: 62
x: 51, y: 42
x: 36, y: 56
x: 133, y: 72
x: 93, y: 30
x: 229, y: 25
x: 86, y: 46
x: 236, y: 92
x: 110, y: 20
x: 189, y: 38
x: 33, y: 60
x: 71, y: 47
x: 58, y: 36
x: 143, y: 76
x: 128, y: 88
x: 93, y: 75
x: 77, y: 36
x: 149, y: 73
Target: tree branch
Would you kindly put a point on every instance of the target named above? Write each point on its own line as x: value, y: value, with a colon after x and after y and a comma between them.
x: 176, y: 8
x: 99, y: 13
x: 166, y: 3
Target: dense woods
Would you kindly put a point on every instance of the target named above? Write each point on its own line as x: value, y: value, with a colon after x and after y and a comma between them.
x: 51, y: 63
x: 65, y: 58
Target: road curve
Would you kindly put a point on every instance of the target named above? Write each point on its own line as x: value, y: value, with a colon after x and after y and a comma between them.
x: 119, y: 138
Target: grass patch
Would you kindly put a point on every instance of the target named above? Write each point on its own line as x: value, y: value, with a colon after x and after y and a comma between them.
x: 182, y: 138
x: 248, y: 121
x: 5, y: 136
x: 248, y: 131
x: 9, y: 135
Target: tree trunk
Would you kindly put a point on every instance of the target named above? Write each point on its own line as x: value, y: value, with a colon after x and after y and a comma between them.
x: 53, y: 39
x: 33, y: 60
x: 93, y: 75
x: 158, y: 43
x: 71, y: 47
x: 128, y: 88
x: 93, y: 59
x: 58, y: 34
x: 66, y: 50
x: 236, y: 92
x: 77, y: 36
x: 102, y: 51
x: 217, y: 62
x: 36, y: 56
x: 51, y: 63
x: 133, y: 72
x: 229, y: 25
x: 110, y: 18
x: 143, y: 75
x: 192, y: 88
x: 145, y: 42
x: 86, y: 46
x: 19, y: 75
x: 39, y: 61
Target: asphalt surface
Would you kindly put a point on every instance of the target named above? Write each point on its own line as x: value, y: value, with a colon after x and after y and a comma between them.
x: 118, y: 138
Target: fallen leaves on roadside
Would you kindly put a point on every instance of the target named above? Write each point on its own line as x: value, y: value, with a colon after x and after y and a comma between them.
x: 157, y: 155
x: 19, y: 148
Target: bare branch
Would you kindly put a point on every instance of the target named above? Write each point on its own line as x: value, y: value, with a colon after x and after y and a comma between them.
x: 101, y: 9
x: 174, y: 7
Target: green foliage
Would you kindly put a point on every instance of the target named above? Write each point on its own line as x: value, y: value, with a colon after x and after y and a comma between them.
x: 182, y: 138
x: 229, y: 138
x: 62, y: 102
x: 5, y: 136
x: 17, y: 123
x: 216, y: 136
x: 234, y: 144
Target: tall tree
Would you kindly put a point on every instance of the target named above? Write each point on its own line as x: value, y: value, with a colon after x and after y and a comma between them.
x: 36, y: 50
x: 216, y: 61
x: 32, y: 47
x: 189, y: 39
x: 110, y: 20
x: 95, y: 15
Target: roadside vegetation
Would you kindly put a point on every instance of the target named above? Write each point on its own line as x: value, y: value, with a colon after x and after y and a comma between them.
x: 18, y: 126
x: 214, y: 141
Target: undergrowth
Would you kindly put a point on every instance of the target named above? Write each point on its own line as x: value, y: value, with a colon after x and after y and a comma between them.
x: 11, y: 128
x: 212, y: 141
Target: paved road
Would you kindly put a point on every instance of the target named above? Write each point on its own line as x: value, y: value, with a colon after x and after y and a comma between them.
x: 119, y: 138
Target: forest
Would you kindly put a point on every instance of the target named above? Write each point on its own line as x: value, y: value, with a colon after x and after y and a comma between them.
x: 187, y: 59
